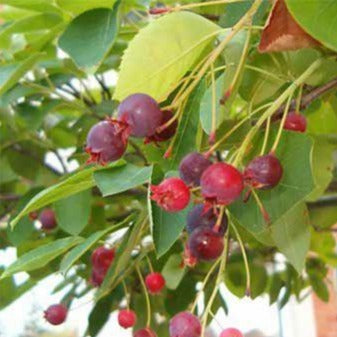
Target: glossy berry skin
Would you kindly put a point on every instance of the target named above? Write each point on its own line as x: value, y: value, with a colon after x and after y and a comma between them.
x: 192, y: 167
x: 47, y: 219
x: 205, y: 244
x: 171, y: 194
x: 221, y: 184
x: 144, y: 333
x: 263, y: 172
x: 106, y: 141
x: 155, y: 282
x: 295, y: 122
x: 231, y: 333
x: 141, y: 113
x: 56, y: 314
x: 102, y: 257
x: 185, y: 324
x: 127, y: 318
x: 198, y: 217
x: 167, y: 133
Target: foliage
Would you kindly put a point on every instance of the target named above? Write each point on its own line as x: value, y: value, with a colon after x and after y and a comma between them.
x: 201, y: 62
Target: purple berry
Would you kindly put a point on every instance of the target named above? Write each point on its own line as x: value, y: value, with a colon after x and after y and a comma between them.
x: 185, y: 324
x: 192, y: 167
x: 141, y: 113
x: 47, y: 219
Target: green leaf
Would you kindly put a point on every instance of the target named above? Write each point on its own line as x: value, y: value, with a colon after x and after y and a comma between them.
x: 34, y: 5
x: 276, y: 285
x: 173, y: 271
x: 120, y: 179
x: 319, y: 287
x: 294, y: 151
x: 90, y: 36
x: 185, y: 139
x: 324, y: 244
x: 72, y: 256
x: 6, y: 173
x: 160, y: 55
x: 78, y: 182
x: 41, y: 256
x: 318, y: 18
x: 73, y: 213
x: 291, y: 234
x: 80, y: 6
x: 11, y: 73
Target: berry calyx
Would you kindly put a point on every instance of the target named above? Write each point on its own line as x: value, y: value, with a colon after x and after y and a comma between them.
x: 56, y: 314
x: 192, y: 167
x: 231, y: 333
x: 205, y: 244
x: 263, y: 172
x: 144, y: 333
x: 167, y: 133
x: 198, y: 217
x: 107, y: 141
x: 141, y: 113
x: 171, y: 194
x: 127, y: 318
x: 102, y: 257
x: 295, y: 122
x: 189, y: 259
x: 155, y: 282
x: 185, y: 324
x: 221, y: 184
x: 48, y: 219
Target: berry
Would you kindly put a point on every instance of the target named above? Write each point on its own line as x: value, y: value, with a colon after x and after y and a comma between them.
x: 231, y: 333
x: 192, y: 167
x: 295, y: 122
x: 102, y: 258
x: 221, y: 184
x: 198, y: 217
x: 263, y: 172
x: 47, y: 219
x: 127, y: 318
x: 141, y: 113
x: 167, y: 133
x: 172, y: 194
x: 106, y: 141
x: 56, y: 314
x: 145, y: 333
x: 185, y: 324
x: 155, y: 282
x: 205, y: 244
x: 97, y: 277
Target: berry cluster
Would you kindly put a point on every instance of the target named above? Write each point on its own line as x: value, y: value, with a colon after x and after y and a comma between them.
x: 140, y: 116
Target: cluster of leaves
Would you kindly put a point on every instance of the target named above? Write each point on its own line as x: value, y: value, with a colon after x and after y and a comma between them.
x: 55, y: 59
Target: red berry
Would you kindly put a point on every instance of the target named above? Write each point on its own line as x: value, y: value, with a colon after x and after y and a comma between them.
x: 141, y: 113
x: 167, y: 133
x: 172, y: 194
x: 56, y: 314
x: 127, y: 318
x: 97, y: 277
x: 192, y: 167
x: 205, y: 244
x: 185, y: 324
x: 295, y: 122
x: 221, y: 184
x: 155, y: 282
x: 144, y: 333
x: 198, y: 217
x: 231, y: 333
x: 102, y: 258
x: 47, y: 219
x: 263, y: 172
x: 107, y: 141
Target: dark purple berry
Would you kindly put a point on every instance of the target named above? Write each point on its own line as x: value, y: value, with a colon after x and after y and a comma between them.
x: 47, y: 219
x: 198, y: 218
x: 192, y: 167
x: 263, y: 172
x: 141, y: 113
x: 185, y: 324
x: 107, y: 141
x: 205, y: 244
x: 56, y: 314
